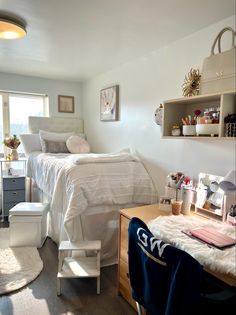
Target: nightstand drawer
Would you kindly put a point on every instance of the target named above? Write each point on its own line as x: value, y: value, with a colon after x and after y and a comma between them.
x: 14, y: 183
x: 13, y: 196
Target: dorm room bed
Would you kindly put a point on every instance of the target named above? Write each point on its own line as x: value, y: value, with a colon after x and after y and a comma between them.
x: 86, y: 191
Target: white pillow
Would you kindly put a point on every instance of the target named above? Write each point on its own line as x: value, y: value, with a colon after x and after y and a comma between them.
x: 54, y: 136
x: 76, y: 144
x: 30, y: 142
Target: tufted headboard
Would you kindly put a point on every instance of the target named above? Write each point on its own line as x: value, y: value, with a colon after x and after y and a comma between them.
x: 56, y: 124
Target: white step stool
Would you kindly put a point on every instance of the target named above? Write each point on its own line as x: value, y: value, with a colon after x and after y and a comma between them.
x: 78, y: 267
x: 28, y: 224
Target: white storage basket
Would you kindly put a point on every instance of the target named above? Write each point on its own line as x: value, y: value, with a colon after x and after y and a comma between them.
x: 28, y: 224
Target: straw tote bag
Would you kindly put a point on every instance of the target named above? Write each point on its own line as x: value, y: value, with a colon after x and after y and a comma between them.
x: 218, y: 71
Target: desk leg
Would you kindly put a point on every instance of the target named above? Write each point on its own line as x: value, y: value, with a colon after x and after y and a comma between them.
x: 58, y: 286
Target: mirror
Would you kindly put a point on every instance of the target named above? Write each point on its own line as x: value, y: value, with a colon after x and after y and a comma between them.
x: 209, y: 195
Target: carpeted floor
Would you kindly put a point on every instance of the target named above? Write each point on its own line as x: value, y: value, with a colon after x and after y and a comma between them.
x: 18, y: 266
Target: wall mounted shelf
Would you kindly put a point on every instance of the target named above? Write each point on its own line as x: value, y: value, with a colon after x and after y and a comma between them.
x: 174, y: 110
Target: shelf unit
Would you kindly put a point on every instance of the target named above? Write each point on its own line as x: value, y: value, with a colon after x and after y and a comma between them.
x: 174, y: 110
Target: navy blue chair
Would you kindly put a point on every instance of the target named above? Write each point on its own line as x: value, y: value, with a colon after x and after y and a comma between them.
x: 168, y: 281
x: 164, y: 280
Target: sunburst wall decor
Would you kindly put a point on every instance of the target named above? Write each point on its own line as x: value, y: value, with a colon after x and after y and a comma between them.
x: 191, y: 83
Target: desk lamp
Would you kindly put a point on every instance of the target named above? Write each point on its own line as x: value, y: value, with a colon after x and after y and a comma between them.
x: 228, y: 185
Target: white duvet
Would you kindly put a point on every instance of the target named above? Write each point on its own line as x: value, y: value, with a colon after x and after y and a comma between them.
x: 77, y: 182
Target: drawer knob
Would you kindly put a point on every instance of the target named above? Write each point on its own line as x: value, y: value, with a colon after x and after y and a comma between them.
x: 13, y: 180
x: 14, y: 193
x: 127, y: 275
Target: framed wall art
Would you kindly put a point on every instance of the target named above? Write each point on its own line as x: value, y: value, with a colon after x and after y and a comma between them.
x: 66, y: 104
x: 109, y: 103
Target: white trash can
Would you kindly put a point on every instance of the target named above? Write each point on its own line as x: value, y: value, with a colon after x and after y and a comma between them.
x: 28, y: 224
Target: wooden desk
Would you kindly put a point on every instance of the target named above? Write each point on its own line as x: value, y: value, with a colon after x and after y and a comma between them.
x: 145, y: 213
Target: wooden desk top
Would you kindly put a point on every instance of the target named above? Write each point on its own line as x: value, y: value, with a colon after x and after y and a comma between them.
x: 150, y: 212
x: 144, y: 213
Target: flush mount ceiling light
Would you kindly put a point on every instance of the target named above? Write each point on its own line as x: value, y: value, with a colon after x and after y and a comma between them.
x: 11, y: 29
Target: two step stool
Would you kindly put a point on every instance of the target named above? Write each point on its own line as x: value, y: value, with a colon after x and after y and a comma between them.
x: 78, y: 267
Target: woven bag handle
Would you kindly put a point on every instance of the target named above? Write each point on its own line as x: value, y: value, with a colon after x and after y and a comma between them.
x: 218, y: 39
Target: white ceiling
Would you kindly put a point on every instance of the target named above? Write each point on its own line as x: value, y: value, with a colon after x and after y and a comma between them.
x: 77, y: 39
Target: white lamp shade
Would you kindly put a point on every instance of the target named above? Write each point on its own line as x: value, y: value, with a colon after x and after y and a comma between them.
x: 229, y: 181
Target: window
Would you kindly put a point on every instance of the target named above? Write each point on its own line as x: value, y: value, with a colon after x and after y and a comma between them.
x: 14, y: 112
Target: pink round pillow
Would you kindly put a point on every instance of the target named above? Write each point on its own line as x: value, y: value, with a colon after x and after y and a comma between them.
x: 76, y: 144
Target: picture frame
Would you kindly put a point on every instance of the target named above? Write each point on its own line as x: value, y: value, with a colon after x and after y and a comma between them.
x: 109, y: 103
x: 164, y: 203
x: 165, y: 200
x: 66, y: 104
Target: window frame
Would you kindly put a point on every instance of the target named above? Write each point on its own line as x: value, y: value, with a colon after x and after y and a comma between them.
x: 6, y: 125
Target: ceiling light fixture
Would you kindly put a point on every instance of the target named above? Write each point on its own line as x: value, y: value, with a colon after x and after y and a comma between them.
x: 11, y: 29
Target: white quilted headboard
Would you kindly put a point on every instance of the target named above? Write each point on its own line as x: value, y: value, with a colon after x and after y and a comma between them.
x: 56, y: 124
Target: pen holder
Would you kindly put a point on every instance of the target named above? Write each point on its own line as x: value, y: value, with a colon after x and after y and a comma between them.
x: 189, y: 130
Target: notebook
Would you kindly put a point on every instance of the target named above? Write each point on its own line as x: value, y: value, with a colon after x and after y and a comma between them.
x: 213, y: 237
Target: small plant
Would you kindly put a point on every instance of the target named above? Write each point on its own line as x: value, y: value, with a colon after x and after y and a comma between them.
x: 12, y: 142
x: 191, y: 83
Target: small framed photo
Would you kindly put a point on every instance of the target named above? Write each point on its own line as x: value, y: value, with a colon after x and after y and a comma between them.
x: 165, y: 204
x: 165, y: 200
x: 109, y: 102
x: 66, y: 104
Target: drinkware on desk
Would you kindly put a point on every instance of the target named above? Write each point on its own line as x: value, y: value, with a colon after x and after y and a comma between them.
x: 176, y: 206
x: 187, y: 196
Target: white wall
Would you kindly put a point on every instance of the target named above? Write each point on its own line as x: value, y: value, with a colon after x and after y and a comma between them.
x: 53, y: 88
x: 144, y: 83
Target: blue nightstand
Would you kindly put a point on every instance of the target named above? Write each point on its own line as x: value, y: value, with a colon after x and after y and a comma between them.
x: 13, y: 174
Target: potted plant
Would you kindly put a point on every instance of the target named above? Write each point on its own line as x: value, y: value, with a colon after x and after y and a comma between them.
x: 12, y: 143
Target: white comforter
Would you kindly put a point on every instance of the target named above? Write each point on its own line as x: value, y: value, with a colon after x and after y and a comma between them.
x: 97, y: 180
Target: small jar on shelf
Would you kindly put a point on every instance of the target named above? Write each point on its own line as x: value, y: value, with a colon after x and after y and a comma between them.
x: 176, y: 130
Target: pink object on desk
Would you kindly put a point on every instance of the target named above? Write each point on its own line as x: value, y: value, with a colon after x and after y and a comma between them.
x: 213, y: 237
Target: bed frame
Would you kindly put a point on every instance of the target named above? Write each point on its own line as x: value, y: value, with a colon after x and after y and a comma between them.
x: 55, y: 124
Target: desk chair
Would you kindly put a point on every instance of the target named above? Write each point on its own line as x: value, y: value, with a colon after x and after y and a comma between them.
x: 164, y: 279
